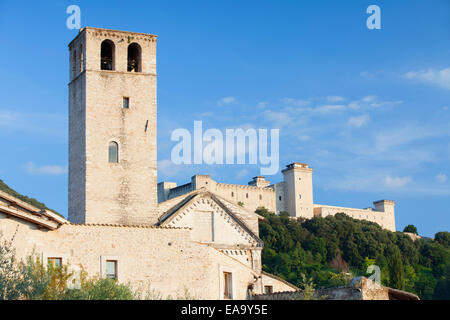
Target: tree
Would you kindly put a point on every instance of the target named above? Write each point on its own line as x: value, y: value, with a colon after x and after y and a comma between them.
x: 10, y: 284
x: 443, y: 238
x: 411, y: 229
x: 396, y: 269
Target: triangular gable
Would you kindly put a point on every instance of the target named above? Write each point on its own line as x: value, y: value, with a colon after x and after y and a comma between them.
x: 203, y: 209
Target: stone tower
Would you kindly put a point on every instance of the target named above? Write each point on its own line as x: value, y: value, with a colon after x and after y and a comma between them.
x: 299, y: 190
x: 388, y: 208
x: 112, y: 127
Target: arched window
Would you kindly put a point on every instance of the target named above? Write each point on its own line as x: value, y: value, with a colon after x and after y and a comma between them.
x: 113, y: 152
x: 134, y: 58
x: 107, y: 55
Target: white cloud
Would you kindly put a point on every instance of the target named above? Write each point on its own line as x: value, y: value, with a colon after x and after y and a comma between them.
x: 370, y: 102
x: 369, y: 99
x: 439, y: 78
x: 330, y: 108
x: 36, y: 123
x: 296, y: 102
x: 441, y: 178
x: 396, y: 182
x: 367, y: 75
x: 358, y: 121
x: 262, y: 104
x: 334, y: 98
x: 389, y: 139
x: 168, y: 168
x: 226, y: 100
x: 31, y: 168
x: 279, y: 119
x: 242, y: 173
x: 304, y: 137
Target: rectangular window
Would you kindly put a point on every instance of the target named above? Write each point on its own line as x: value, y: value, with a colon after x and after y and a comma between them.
x: 227, y: 289
x: 268, y: 289
x: 111, y: 269
x: 126, y: 103
x: 55, y: 262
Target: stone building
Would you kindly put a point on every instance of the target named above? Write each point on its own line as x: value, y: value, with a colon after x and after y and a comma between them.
x: 197, y: 240
x: 293, y: 195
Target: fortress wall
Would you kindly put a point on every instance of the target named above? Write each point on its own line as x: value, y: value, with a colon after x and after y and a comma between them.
x: 379, y: 217
x: 180, y: 190
x: 252, y: 197
x: 166, y: 259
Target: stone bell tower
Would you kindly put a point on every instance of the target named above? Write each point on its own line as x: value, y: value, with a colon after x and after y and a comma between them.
x: 112, y: 127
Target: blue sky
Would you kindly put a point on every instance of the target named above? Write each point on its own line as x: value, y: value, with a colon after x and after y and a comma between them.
x: 369, y: 110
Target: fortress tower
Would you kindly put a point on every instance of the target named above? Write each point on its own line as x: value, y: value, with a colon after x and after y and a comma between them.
x: 299, y: 190
x: 112, y: 127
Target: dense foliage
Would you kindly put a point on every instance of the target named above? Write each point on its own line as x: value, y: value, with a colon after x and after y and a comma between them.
x: 5, y: 188
x: 332, y: 250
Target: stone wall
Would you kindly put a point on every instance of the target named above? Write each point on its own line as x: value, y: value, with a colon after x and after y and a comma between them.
x: 359, y: 289
x: 384, y: 219
x: 252, y: 197
x: 167, y: 259
x: 276, y: 284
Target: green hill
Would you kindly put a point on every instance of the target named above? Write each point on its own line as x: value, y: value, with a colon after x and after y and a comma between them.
x: 334, y: 249
x: 5, y: 188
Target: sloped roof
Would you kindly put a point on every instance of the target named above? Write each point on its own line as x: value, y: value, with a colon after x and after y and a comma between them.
x: 17, y: 208
x: 184, y: 201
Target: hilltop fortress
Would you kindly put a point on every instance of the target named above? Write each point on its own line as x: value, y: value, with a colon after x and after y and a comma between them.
x: 122, y: 224
x: 293, y: 195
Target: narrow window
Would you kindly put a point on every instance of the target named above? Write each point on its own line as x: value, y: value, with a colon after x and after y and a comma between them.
x: 81, y: 59
x: 268, y: 289
x: 111, y: 269
x: 74, y: 63
x: 300, y: 196
x: 260, y: 197
x: 113, y: 152
x: 107, y: 55
x: 55, y: 262
x: 246, y: 195
x: 134, y: 58
x: 227, y: 294
x: 279, y: 198
x: 232, y: 194
x: 126, y: 102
